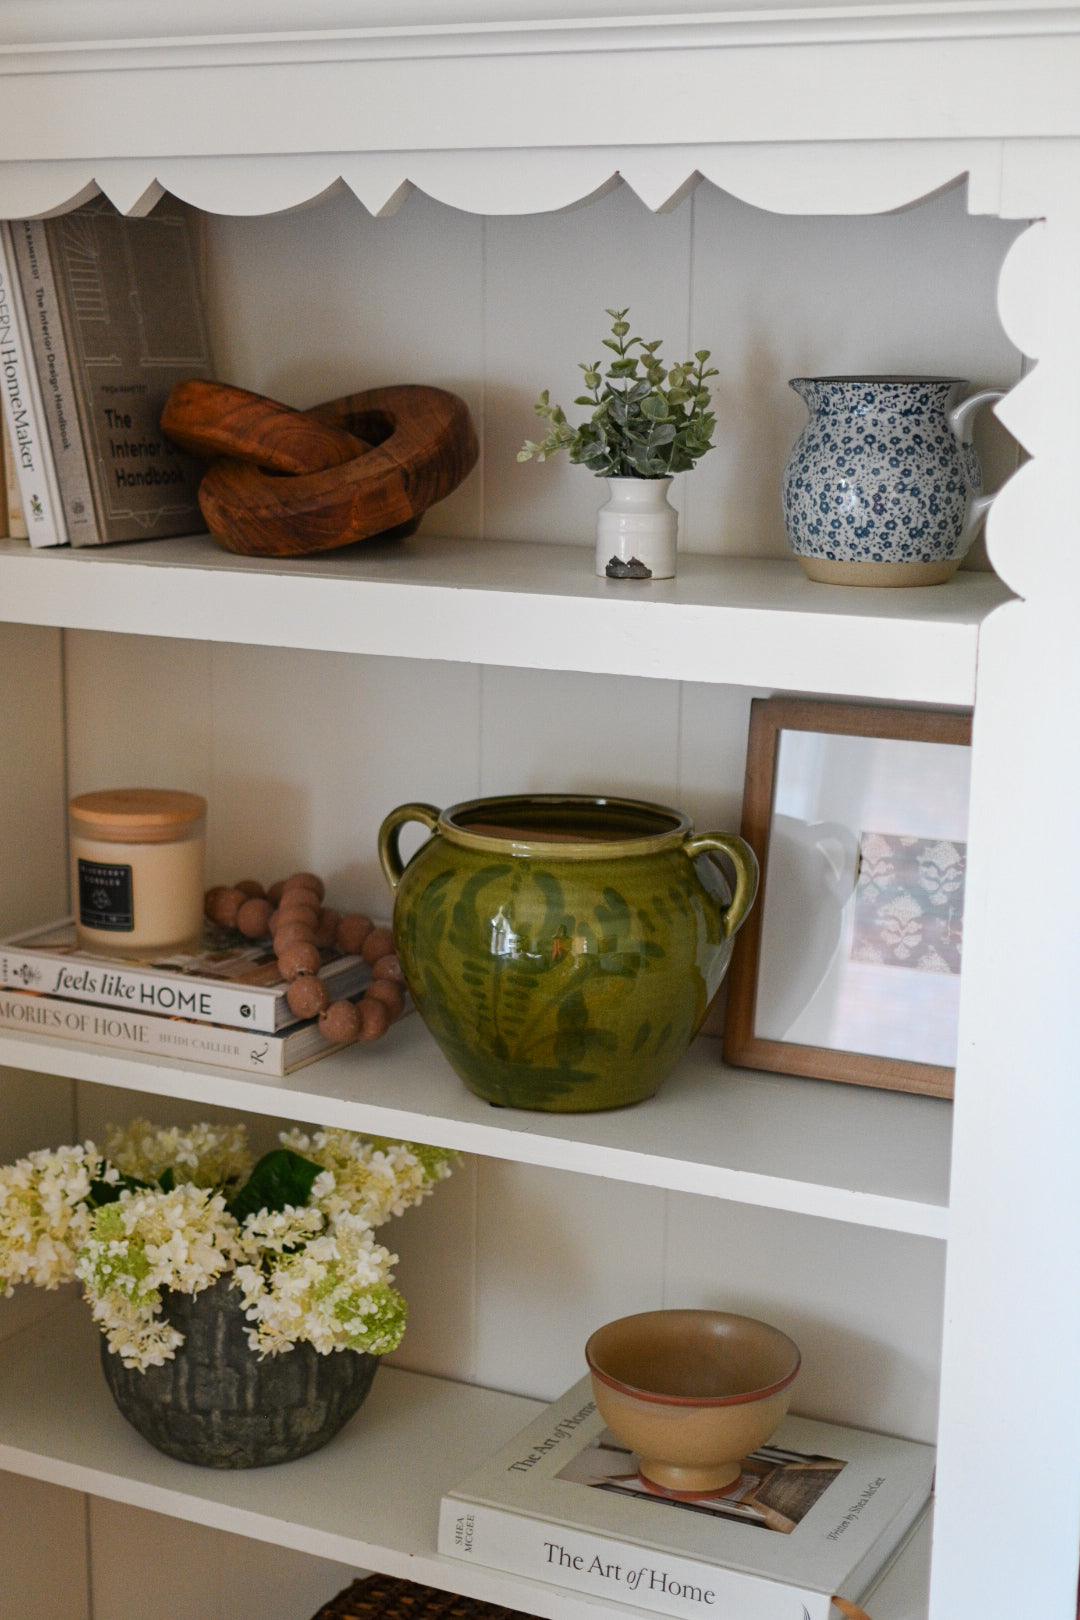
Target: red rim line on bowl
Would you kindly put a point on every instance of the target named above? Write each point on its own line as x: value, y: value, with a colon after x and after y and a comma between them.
x: 694, y: 1400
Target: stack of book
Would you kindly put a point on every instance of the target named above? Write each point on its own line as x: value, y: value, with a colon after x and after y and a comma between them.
x: 223, y: 1006
x: 99, y: 317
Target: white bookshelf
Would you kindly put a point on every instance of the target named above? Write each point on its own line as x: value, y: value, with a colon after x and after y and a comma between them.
x: 755, y: 622
x: 840, y: 1152
x: 370, y: 1499
x: 847, y: 189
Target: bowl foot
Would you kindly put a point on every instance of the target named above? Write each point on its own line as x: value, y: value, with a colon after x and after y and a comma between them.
x: 688, y: 1484
x: 690, y: 1496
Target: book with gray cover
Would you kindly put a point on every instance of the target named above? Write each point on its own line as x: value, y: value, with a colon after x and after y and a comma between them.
x: 820, y: 1511
x: 129, y: 306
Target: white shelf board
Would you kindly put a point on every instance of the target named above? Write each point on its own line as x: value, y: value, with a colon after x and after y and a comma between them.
x: 370, y: 1499
x: 742, y: 621
x: 874, y: 1158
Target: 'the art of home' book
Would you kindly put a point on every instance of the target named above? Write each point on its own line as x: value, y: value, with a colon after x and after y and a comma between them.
x: 820, y: 1511
x: 224, y: 983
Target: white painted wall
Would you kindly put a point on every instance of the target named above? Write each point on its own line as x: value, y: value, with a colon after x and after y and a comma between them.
x: 301, y: 754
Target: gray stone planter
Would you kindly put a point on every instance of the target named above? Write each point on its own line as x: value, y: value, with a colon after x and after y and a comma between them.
x: 219, y: 1406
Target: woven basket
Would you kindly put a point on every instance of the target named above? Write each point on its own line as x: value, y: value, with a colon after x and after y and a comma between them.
x: 380, y: 1597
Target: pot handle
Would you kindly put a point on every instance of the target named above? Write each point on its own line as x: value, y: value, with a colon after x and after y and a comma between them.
x: 390, y: 833
x: 961, y: 421
x: 744, y: 861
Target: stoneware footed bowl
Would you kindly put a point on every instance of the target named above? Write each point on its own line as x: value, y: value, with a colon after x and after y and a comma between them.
x: 562, y: 949
x: 692, y: 1393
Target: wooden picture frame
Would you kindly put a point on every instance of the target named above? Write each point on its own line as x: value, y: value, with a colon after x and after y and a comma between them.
x: 743, y: 1046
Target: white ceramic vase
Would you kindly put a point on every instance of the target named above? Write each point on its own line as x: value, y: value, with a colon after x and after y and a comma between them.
x: 636, y: 531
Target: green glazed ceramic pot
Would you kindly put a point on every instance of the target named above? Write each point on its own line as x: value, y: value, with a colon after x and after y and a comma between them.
x: 563, y: 950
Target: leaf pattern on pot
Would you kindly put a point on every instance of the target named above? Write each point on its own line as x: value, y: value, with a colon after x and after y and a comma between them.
x: 559, y: 984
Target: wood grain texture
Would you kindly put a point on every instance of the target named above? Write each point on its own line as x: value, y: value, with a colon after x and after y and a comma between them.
x: 743, y: 1047
x: 424, y: 445
x: 211, y: 419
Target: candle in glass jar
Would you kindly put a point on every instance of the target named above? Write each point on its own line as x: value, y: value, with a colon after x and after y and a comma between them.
x: 137, y: 859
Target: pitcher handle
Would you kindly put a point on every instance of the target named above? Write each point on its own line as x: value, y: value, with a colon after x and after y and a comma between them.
x: 961, y: 420
x: 390, y: 834
x: 744, y: 861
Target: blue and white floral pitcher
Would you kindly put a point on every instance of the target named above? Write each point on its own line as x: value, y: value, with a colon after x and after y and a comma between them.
x: 882, y: 485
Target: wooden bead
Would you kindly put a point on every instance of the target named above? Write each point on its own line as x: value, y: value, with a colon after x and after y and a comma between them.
x: 326, y: 933
x: 252, y: 888
x: 374, y: 1018
x: 227, y: 907
x: 388, y: 967
x: 211, y: 898
x: 292, y: 933
x: 295, y: 914
x: 299, y: 957
x: 380, y: 942
x: 253, y: 918
x: 390, y: 995
x: 307, y: 996
x: 340, y: 1022
x: 275, y: 891
x: 352, y: 931
x: 299, y: 900
x: 305, y: 880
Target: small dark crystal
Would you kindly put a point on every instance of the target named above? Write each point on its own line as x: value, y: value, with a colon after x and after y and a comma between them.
x: 634, y: 569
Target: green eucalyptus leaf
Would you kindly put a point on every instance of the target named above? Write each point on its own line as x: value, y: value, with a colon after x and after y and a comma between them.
x: 654, y: 406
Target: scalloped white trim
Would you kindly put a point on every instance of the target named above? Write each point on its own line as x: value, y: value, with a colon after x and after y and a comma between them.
x: 798, y: 178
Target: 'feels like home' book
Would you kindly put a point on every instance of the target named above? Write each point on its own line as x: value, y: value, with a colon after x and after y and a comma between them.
x: 820, y: 1511
x: 223, y: 983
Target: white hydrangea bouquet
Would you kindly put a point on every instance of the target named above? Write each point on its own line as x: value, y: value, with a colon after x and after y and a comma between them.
x: 163, y: 1210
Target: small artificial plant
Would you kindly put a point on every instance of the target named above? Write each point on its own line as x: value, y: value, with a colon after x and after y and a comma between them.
x: 164, y: 1209
x: 647, y: 421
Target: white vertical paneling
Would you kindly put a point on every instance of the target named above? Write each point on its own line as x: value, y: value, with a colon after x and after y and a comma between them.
x: 35, y: 1110
x: 43, y: 1553
x: 312, y: 749
x: 548, y: 731
x: 556, y: 1257
x: 437, y: 1274
x: 306, y: 306
x: 138, y: 712
x: 32, y: 804
x: 777, y: 297
x: 549, y: 279
x: 864, y: 1306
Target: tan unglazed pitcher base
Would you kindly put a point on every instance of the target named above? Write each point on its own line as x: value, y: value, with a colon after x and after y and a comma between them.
x: 827, y: 572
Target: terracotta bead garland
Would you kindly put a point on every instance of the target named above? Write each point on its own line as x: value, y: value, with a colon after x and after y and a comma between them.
x: 291, y: 913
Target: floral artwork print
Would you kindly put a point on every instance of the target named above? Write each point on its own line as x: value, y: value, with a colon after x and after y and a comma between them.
x: 909, y: 902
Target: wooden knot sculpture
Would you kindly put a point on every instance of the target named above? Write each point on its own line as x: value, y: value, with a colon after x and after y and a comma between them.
x: 286, y: 483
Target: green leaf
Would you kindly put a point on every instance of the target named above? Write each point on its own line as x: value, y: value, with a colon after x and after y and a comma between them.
x: 654, y: 407
x: 167, y: 1180
x: 702, y: 355
x: 281, y: 1177
x: 610, y: 343
x: 108, y: 1192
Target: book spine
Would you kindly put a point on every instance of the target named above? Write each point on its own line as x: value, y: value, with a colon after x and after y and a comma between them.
x: 22, y: 411
x: 604, y: 1566
x: 54, y: 1019
x: 37, y: 283
x: 134, y: 990
x: 16, y: 523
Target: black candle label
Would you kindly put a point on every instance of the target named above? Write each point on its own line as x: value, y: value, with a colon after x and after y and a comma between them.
x: 105, y: 897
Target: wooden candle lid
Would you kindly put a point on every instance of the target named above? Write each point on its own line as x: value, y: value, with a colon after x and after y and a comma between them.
x: 137, y: 815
